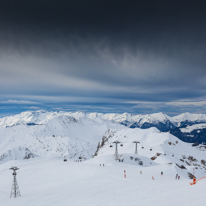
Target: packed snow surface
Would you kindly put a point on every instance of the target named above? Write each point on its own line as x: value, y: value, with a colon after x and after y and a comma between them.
x: 52, y: 182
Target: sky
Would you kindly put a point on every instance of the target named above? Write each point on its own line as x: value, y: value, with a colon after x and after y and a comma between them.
x: 140, y: 57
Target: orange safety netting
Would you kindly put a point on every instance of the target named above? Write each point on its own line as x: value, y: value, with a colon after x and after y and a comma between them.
x: 194, y: 180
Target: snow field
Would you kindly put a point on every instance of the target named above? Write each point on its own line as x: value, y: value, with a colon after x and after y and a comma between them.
x: 54, y: 182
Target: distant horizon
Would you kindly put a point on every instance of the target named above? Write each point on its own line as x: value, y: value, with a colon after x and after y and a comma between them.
x: 73, y: 111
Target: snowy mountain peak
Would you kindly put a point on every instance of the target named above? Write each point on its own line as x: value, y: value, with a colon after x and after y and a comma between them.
x: 190, y: 117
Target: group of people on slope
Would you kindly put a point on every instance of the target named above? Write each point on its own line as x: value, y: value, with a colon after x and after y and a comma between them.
x: 177, y: 176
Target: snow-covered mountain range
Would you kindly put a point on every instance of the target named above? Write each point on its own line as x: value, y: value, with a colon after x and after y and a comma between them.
x: 130, y: 120
x: 161, y: 121
x: 165, y: 123
x: 76, y: 134
x: 53, y: 134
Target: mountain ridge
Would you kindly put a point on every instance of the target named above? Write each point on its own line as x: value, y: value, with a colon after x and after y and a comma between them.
x: 76, y: 134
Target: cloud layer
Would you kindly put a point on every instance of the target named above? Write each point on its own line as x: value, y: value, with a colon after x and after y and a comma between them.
x: 105, y: 53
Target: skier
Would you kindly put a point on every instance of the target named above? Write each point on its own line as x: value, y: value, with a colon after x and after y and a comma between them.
x: 103, y: 165
x: 162, y: 173
x: 100, y: 164
x: 176, y: 176
x: 140, y: 172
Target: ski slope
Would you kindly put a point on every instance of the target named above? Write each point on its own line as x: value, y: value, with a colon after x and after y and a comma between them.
x: 50, y: 181
x: 163, y: 148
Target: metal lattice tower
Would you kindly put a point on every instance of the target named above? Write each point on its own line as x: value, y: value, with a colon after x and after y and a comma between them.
x: 14, y: 189
x: 116, y: 150
x: 136, y: 142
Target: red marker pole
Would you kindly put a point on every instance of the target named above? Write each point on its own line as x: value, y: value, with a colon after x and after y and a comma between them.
x: 124, y: 173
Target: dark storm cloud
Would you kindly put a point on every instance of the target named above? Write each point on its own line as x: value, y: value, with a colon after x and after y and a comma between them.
x: 142, y: 21
x: 117, y: 50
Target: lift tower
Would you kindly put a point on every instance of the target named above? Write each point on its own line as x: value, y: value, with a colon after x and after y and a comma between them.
x: 136, y: 142
x: 14, y: 189
x: 116, y: 150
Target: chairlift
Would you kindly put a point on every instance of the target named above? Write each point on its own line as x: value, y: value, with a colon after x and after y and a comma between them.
x: 121, y: 145
x: 65, y: 160
x: 111, y: 146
